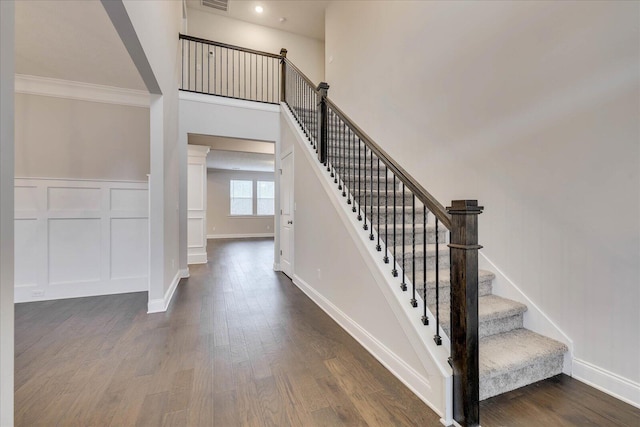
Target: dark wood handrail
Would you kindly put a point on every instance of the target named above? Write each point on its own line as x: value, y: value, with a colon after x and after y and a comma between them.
x: 301, y: 74
x: 420, y: 192
x: 229, y: 46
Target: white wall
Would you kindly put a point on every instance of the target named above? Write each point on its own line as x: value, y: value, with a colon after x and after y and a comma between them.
x: 306, y: 53
x: 7, y: 34
x: 219, y: 222
x: 336, y: 265
x: 157, y: 25
x: 532, y: 108
x: 67, y: 138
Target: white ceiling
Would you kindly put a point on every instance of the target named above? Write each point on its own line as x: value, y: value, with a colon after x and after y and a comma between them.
x: 72, y: 40
x: 302, y: 17
x: 238, y: 160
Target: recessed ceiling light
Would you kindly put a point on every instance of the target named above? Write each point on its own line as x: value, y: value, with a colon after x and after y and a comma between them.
x: 259, y: 9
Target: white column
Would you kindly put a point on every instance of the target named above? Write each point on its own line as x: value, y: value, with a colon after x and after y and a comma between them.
x: 197, y: 204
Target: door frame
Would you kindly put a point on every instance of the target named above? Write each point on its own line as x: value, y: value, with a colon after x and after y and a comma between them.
x: 277, y: 265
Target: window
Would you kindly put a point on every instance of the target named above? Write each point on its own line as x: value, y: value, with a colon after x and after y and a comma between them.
x: 266, y: 198
x: 241, y: 194
x: 242, y: 199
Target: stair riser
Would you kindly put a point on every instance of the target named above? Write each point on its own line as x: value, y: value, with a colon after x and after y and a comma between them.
x: 503, y: 383
x: 362, y: 174
x: 484, y: 288
x: 384, y: 198
x: 495, y: 326
x: 431, y: 236
x: 408, y: 217
x: 431, y: 264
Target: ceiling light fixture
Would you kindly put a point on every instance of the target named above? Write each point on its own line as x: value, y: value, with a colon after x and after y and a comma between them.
x: 259, y: 9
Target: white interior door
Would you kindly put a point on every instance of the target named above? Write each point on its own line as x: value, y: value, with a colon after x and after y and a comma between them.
x: 286, y: 215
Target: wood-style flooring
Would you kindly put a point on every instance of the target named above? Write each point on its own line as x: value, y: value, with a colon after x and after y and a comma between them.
x: 239, y: 346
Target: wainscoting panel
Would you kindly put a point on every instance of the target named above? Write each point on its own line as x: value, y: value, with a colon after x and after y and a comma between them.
x: 76, y: 238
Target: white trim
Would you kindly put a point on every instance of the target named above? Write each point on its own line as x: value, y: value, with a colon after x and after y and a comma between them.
x: 619, y: 387
x: 184, y: 273
x: 43, y: 178
x: 398, y: 367
x: 200, y: 258
x: 238, y: 236
x: 276, y: 266
x: 229, y: 102
x: 161, y: 305
x: 45, y: 86
x: 534, y: 318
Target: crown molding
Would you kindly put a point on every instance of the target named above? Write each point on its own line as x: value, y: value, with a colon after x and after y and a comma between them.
x: 45, y: 86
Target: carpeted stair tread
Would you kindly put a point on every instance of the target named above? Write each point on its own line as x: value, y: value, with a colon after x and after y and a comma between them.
x: 443, y: 248
x: 495, y: 315
x: 513, y: 350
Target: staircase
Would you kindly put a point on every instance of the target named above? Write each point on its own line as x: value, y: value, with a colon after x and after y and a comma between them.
x: 426, y: 247
x: 510, y: 355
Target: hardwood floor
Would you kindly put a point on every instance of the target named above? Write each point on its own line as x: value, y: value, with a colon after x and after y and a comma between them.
x: 558, y: 401
x: 239, y: 346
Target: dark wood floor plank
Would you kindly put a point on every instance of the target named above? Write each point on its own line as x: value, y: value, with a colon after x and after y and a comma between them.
x: 240, y: 345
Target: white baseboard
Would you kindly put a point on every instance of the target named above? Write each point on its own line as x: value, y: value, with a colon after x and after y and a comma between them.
x: 197, y: 258
x: 621, y: 388
x: 276, y: 266
x: 398, y: 367
x: 184, y: 273
x: 160, y: 305
x: 238, y: 236
x: 534, y: 318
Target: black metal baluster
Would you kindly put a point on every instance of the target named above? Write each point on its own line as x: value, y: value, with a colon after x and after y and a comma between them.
x: 189, y: 65
x: 394, y: 272
x: 403, y: 285
x: 352, y: 140
x: 365, y: 188
x: 425, y: 318
x: 386, y: 217
x: 330, y: 144
x: 378, y: 247
x: 349, y: 166
x: 371, y: 236
x: 336, y: 140
x: 414, y: 302
x: 437, y: 337
x: 343, y: 164
x: 359, y: 181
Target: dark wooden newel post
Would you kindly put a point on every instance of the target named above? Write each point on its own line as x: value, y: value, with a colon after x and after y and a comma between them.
x: 464, y: 311
x: 283, y: 75
x: 323, y: 89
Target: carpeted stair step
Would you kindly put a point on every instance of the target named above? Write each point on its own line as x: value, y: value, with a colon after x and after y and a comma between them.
x: 407, y: 255
x: 495, y: 315
x: 485, y: 280
x: 419, y: 233
x: 384, y: 197
x: 390, y: 212
x: 513, y: 359
x: 348, y: 170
